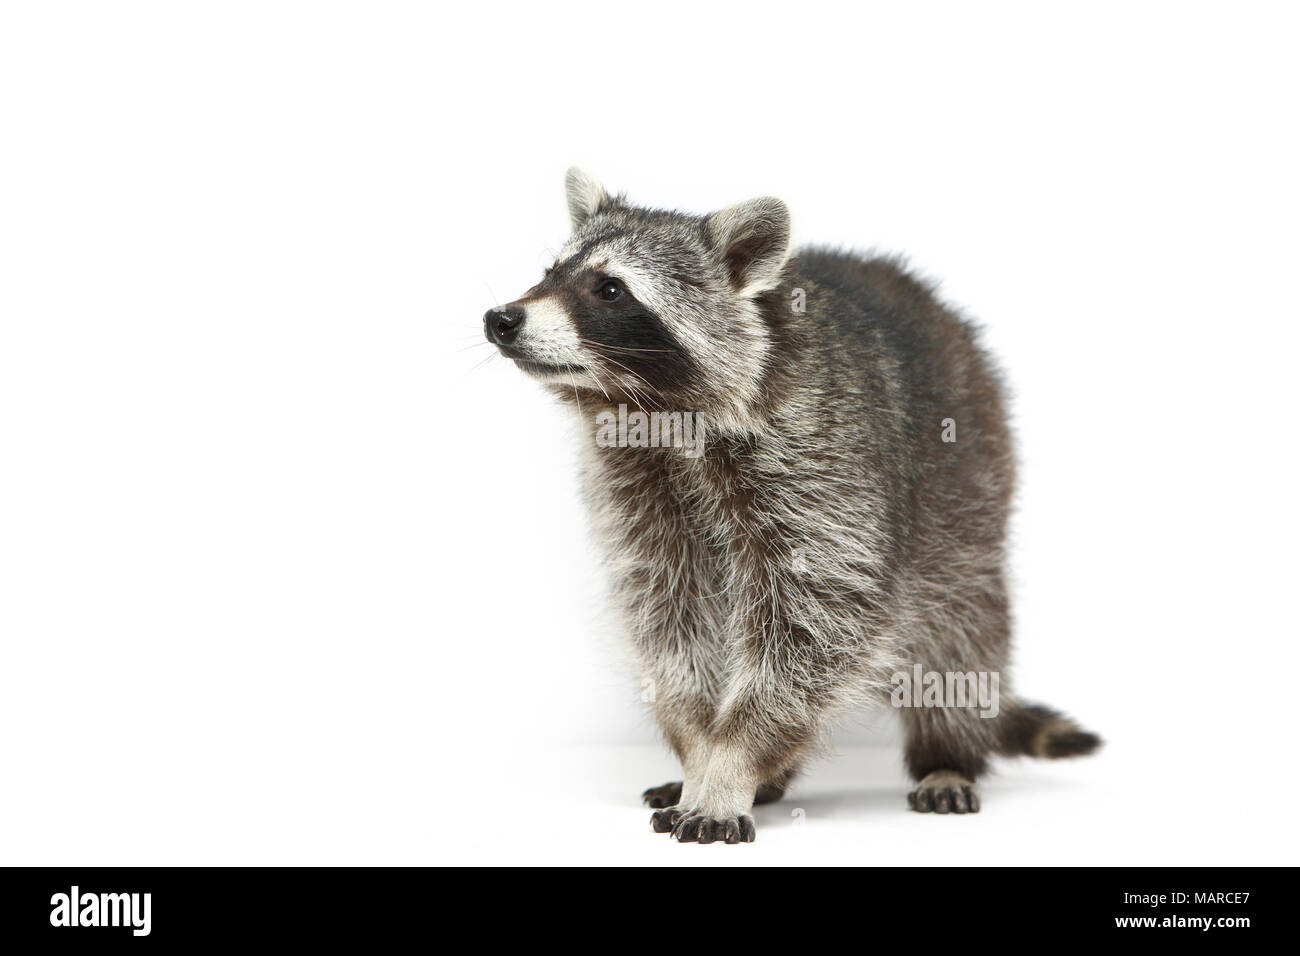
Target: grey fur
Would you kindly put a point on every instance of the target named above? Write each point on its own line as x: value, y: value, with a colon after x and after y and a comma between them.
x: 828, y: 538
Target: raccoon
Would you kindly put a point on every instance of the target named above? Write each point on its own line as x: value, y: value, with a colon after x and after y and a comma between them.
x: 845, y: 523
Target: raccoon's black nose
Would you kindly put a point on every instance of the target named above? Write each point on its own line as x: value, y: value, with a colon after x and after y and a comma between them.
x: 502, y: 325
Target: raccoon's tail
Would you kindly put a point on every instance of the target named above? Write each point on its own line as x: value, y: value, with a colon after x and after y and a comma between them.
x: 1031, y: 730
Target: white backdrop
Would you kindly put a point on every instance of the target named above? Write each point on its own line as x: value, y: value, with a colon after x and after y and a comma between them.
x: 287, y: 575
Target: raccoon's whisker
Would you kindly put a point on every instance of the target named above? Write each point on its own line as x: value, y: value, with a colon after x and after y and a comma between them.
x: 628, y: 370
x: 632, y: 391
x: 600, y: 384
x: 620, y: 348
x: 637, y: 396
x: 635, y: 385
x: 600, y: 350
x: 573, y: 383
x: 595, y: 377
x: 479, y: 365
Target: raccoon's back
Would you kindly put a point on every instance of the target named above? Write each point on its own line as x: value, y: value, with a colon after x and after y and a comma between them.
x: 872, y: 311
x: 930, y: 397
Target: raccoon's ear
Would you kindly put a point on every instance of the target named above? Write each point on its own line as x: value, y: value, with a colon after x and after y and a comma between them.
x: 584, y: 195
x: 752, y: 241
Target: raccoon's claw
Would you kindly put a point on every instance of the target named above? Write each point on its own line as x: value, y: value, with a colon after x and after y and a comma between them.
x: 696, y: 827
x: 944, y: 792
x: 657, y: 798
x: 663, y: 821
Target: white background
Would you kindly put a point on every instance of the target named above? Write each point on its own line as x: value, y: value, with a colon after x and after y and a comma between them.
x: 286, y: 576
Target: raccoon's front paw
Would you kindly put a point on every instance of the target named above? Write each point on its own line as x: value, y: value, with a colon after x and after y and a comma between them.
x: 667, y: 795
x: 944, y: 791
x: 698, y: 827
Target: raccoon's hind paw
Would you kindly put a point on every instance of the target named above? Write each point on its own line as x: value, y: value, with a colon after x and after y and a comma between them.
x: 667, y: 795
x: 944, y: 791
x: 697, y: 827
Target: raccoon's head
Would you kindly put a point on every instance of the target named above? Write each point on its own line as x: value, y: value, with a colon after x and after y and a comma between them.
x: 657, y: 308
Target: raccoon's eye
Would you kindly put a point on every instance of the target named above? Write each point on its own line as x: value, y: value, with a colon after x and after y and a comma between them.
x: 609, y: 290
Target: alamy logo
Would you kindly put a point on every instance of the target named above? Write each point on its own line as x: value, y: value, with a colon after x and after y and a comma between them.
x: 101, y: 909
x: 638, y: 429
x: 949, y: 689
